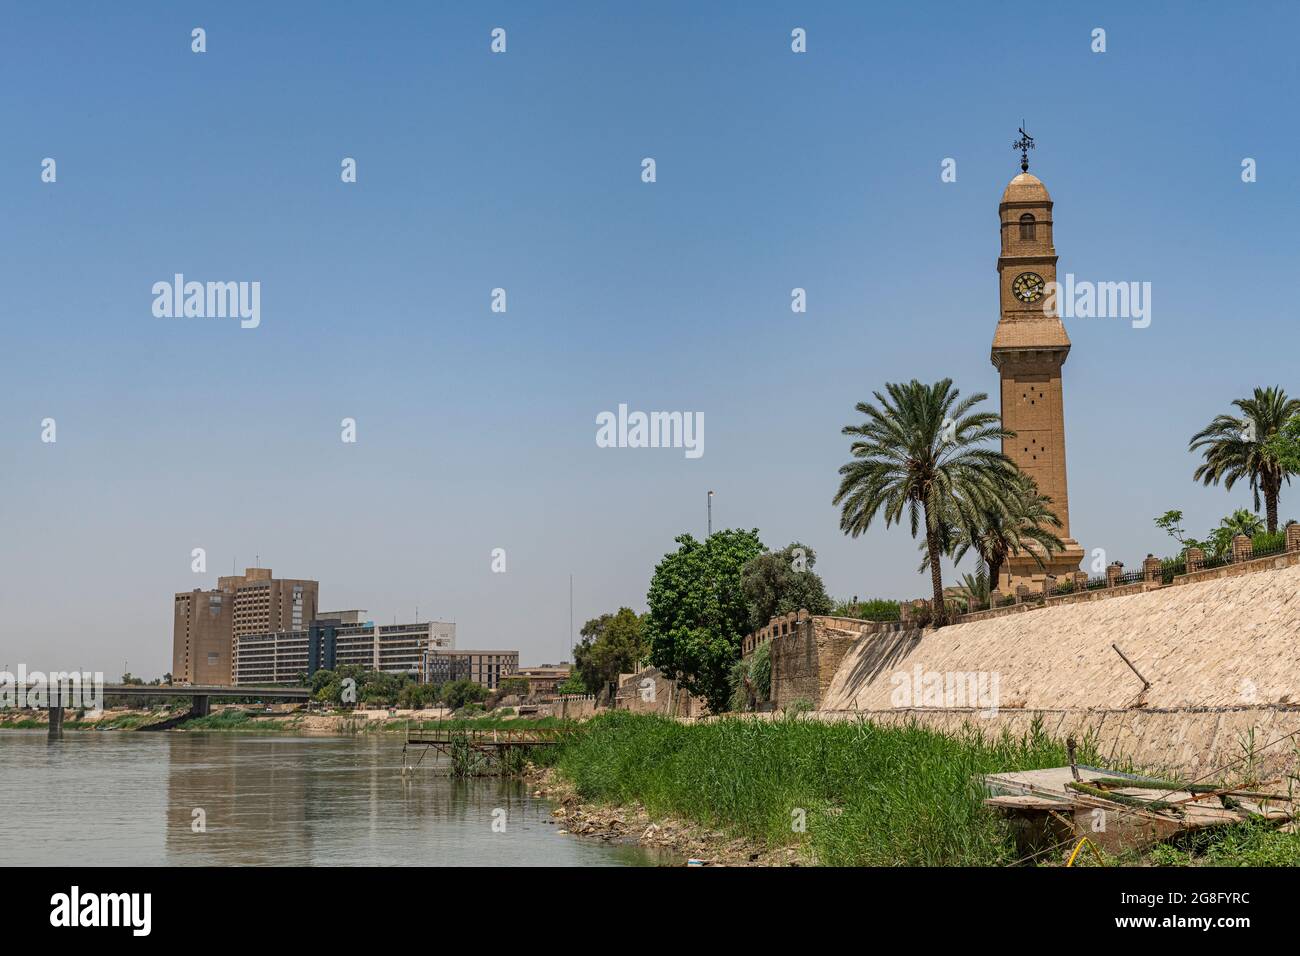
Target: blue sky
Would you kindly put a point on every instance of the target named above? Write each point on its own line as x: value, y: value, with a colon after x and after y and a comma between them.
x: 477, y: 430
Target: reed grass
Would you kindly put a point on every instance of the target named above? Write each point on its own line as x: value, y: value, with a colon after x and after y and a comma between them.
x: 865, y: 794
x: 485, y: 723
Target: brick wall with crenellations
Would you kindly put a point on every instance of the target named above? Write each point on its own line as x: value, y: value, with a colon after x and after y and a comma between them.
x: 806, y: 651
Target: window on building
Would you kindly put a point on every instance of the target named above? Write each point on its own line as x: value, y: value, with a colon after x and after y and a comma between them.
x: 1026, y: 226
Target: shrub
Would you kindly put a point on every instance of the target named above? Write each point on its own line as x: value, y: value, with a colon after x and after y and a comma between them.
x: 877, y: 609
x: 1265, y: 543
x: 751, y: 676
x: 457, y: 693
x: 760, y: 670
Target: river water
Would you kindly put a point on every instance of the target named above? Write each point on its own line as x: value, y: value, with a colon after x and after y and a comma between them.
x: 138, y: 799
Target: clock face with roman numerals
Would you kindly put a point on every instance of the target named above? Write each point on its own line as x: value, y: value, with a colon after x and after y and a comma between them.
x: 1028, y: 287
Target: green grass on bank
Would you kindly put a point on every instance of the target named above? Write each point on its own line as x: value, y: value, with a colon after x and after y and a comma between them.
x: 235, y: 719
x: 127, y: 721
x: 24, y: 723
x: 132, y: 720
x: 244, y: 720
x: 869, y: 795
x: 1247, y: 844
x: 241, y: 720
x: 484, y: 723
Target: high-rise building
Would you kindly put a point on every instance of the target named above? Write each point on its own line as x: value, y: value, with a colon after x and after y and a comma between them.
x: 206, y: 623
x: 201, y: 636
x: 1029, y: 348
x: 264, y: 603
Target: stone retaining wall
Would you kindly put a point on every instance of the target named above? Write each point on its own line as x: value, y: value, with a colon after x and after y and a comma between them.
x: 1209, y: 743
x: 649, y: 692
x: 805, y: 659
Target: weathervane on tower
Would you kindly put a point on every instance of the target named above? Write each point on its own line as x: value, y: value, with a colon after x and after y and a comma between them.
x: 1025, y: 143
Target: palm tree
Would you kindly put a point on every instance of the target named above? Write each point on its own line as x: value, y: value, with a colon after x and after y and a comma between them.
x: 1239, y: 448
x: 1240, y: 521
x: 975, y: 590
x: 917, y: 453
x: 1021, y: 519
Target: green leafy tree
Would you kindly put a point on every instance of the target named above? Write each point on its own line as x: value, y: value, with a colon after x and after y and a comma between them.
x: 513, y: 685
x: 919, y: 454
x: 698, y: 613
x: 458, y: 693
x: 328, y: 685
x: 380, y: 689
x: 1171, y: 522
x: 779, y: 582
x: 574, y: 684
x: 415, y: 696
x: 611, y: 644
x: 1243, y: 448
x: 320, y: 679
x: 1285, y: 445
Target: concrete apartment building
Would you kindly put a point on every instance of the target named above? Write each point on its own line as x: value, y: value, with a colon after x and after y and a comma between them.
x: 488, y: 668
x: 336, y: 639
x: 258, y: 629
x: 206, y: 623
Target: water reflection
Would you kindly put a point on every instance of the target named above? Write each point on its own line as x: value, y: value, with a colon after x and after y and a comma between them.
x: 231, y: 799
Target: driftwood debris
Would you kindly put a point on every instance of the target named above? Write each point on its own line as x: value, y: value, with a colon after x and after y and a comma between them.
x: 1119, y: 811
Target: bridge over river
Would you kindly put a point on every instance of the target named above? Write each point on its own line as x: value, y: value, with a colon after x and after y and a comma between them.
x: 201, y: 695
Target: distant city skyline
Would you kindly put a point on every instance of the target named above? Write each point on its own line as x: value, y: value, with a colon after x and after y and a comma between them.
x: 477, y: 430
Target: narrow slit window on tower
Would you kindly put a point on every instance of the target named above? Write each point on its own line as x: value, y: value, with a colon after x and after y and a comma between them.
x: 1026, y: 226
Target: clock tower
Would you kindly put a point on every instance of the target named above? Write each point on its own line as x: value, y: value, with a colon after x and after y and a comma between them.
x: 1029, y: 348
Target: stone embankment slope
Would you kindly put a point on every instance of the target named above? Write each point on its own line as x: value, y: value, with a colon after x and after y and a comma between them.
x: 1222, y: 657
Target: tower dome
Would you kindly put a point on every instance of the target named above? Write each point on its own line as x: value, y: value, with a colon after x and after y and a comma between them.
x: 1026, y: 187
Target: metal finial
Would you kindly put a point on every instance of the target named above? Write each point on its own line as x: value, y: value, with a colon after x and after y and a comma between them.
x: 1025, y: 143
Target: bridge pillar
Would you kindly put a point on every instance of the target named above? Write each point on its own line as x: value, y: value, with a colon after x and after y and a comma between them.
x: 202, y: 705
x: 56, y: 723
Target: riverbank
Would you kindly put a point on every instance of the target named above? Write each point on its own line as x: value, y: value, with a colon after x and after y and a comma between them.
x: 632, y: 823
x: 839, y: 794
x: 235, y: 719
x: 851, y: 793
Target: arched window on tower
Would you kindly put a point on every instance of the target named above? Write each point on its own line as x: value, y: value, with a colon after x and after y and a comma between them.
x: 1027, y: 226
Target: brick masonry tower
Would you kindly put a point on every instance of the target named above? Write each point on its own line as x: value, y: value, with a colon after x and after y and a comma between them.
x: 1029, y: 348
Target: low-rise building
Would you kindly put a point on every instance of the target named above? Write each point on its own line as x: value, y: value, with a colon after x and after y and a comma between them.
x: 488, y: 667
x: 545, y: 678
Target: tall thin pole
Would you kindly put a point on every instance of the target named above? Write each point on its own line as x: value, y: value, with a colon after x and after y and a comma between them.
x: 710, y: 513
x: 570, y: 617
